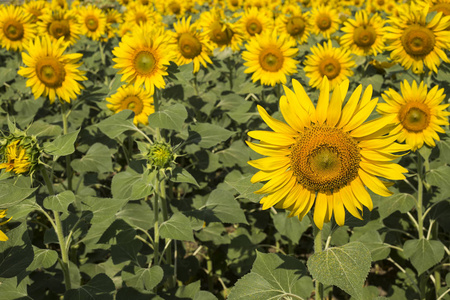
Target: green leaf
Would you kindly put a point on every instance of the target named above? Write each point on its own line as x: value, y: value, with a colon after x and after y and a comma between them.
x: 423, y: 253
x: 42, y: 129
x: 242, y: 184
x: 208, y: 135
x: 400, y: 201
x: 11, y: 289
x: 99, y: 287
x: 292, y: 228
x: 273, y: 276
x: 372, y: 240
x: 11, y: 194
x: 97, y: 159
x: 170, y: 118
x: 141, y: 278
x: 118, y: 124
x: 125, y: 252
x: 59, y: 202
x: 43, y: 258
x: 63, y: 145
x: 444, y: 148
x: 133, y: 185
x: 236, y: 154
x: 137, y: 214
x: 345, y: 267
x: 181, y: 175
x: 177, y: 227
x: 439, y: 177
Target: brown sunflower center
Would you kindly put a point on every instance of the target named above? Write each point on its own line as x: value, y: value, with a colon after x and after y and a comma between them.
x: 418, y: 40
x: 133, y: 103
x: 190, y: 47
x: 253, y: 27
x: 414, y: 116
x: 36, y: 13
x: 13, y: 30
x: 174, y: 7
x: 444, y: 8
x: 234, y: 3
x: 50, y: 71
x: 323, y: 21
x: 364, y: 36
x: 295, y: 26
x: 330, y: 67
x: 325, y: 158
x: 219, y: 36
x: 144, y: 62
x: 380, y: 2
x: 271, y: 59
x: 91, y: 23
x: 140, y: 18
x: 59, y: 28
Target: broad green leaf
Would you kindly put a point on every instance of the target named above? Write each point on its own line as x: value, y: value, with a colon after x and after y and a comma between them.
x: 440, y: 177
x: 345, y: 267
x: 188, y: 291
x: 97, y: 159
x: 137, y: 214
x: 143, y: 278
x: 181, y: 175
x: 99, y: 287
x: 10, y: 289
x: 125, y: 252
x: 170, y: 118
x: 399, y: 201
x: 118, y: 124
x: 242, y: 184
x: 11, y: 194
x: 274, y: 276
x: 372, y: 240
x: 177, y: 227
x: 423, y: 253
x: 63, y: 145
x: 444, y: 148
x: 43, y: 258
x: 236, y: 154
x: 214, y: 232
x: 292, y: 228
x: 42, y: 129
x: 59, y: 202
x: 132, y: 185
x: 208, y: 135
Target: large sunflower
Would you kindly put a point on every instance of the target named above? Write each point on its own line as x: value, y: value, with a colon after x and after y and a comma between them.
x: 295, y: 24
x: 191, y: 45
x: 325, y: 20
x: 418, y: 113
x: 270, y: 58
x: 143, y: 57
x: 416, y: 41
x: 36, y: 8
x: 93, y: 22
x: 60, y: 23
x: 133, y: 98
x: 334, y: 63
x: 50, y: 72
x: 255, y: 21
x: 324, y: 155
x: 16, y: 28
x: 223, y: 34
x: 142, y: 15
x: 364, y: 35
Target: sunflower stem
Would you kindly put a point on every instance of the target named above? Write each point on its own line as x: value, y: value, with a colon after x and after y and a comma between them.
x: 68, y: 157
x: 419, y: 205
x: 165, y: 213
x: 156, y: 225
x: 317, y: 249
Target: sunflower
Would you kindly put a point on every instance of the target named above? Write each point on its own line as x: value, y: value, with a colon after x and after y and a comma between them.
x: 270, y: 58
x: 16, y: 28
x: 191, y: 45
x: 60, y: 23
x: 324, y: 155
x: 364, y: 35
x: 50, y: 72
x: 255, y: 21
x: 325, y: 20
x: 141, y: 15
x: 334, y: 63
x: 134, y: 98
x: 171, y: 7
x: 3, y: 237
x: 93, y: 22
x: 418, y: 112
x: 234, y: 5
x: 15, y: 158
x: 36, y: 8
x: 295, y: 24
x: 143, y: 57
x: 113, y: 21
x: 416, y: 41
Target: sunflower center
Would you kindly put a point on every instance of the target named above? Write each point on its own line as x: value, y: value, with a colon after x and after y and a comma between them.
x: 219, y: 36
x: 189, y: 45
x: 325, y: 158
x: 91, y: 23
x: 295, y: 26
x: 418, y: 40
x: 330, y: 67
x: 133, y: 103
x: 144, y: 62
x: 323, y: 21
x: 444, y: 8
x: 59, y: 28
x: 13, y: 30
x: 50, y: 72
x: 414, y: 116
x: 254, y: 27
x: 271, y: 59
x: 175, y: 7
x: 234, y: 3
x: 140, y: 18
x: 364, y: 36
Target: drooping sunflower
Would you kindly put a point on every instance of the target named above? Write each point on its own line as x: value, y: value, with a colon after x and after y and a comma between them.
x: 334, y: 63
x: 134, y: 98
x: 93, y: 22
x: 15, y: 158
x: 364, y: 35
x: 3, y: 237
x: 16, y: 28
x: 143, y: 57
x: 325, y: 155
x: 60, y: 23
x: 270, y: 58
x: 325, y: 20
x: 255, y: 21
x: 295, y: 24
x: 418, y: 112
x: 416, y: 42
x: 50, y: 72
x: 191, y: 45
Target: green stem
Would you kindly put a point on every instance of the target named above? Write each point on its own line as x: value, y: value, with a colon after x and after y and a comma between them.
x: 419, y: 205
x: 156, y: 226
x: 68, y: 159
x: 102, y: 54
x: 164, y: 208
x: 317, y: 249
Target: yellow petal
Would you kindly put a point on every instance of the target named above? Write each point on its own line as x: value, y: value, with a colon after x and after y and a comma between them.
x: 322, y: 103
x: 374, y: 184
x: 269, y: 150
x: 270, y: 137
x: 275, y: 183
x: 270, y: 163
x: 334, y: 109
x: 361, y: 194
x: 349, y: 201
x: 339, y: 210
x: 275, y: 124
x: 320, y: 209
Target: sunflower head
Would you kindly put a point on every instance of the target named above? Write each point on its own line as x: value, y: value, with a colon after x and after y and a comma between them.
x: 160, y: 155
x: 19, y: 153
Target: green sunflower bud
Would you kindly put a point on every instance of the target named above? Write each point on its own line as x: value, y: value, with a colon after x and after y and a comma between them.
x: 160, y: 155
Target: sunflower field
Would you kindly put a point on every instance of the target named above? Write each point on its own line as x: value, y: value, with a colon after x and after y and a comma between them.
x: 225, y: 149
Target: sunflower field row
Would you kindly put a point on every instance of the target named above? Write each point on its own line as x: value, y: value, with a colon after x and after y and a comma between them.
x: 224, y: 149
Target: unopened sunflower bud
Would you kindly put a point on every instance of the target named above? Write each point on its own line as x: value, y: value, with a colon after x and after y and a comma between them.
x: 19, y: 153
x: 160, y: 155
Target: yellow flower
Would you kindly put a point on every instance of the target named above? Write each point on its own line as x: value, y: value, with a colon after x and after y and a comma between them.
x: 3, y: 237
x: 335, y: 63
x: 295, y: 24
x: 171, y: 7
x: 325, y: 20
x: 142, y: 15
x: 270, y: 58
x: 254, y: 21
x: 16, y: 28
x: 419, y: 113
x: 60, y: 23
x: 93, y: 22
x: 35, y: 8
x: 50, y: 72
x: 325, y: 155
x: 133, y: 98
x: 15, y: 158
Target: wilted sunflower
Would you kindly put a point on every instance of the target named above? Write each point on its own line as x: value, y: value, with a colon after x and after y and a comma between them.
x: 223, y: 34
x: 143, y: 57
x: 364, y: 35
x: 416, y: 41
x: 191, y: 45
x: 295, y: 24
x: 324, y: 155
x: 334, y: 63
x: 270, y: 58
x: 50, y: 72
x: 60, y: 23
x: 133, y: 98
x: 325, y: 20
x: 3, y: 237
x: 418, y: 113
x: 255, y: 21
x: 16, y: 28
x: 93, y: 22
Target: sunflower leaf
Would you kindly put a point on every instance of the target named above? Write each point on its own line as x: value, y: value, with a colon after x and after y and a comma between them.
x: 177, y: 227
x: 423, y: 253
x: 59, y: 202
x: 63, y: 145
x: 401, y: 202
x: 118, y: 124
x: 170, y: 118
